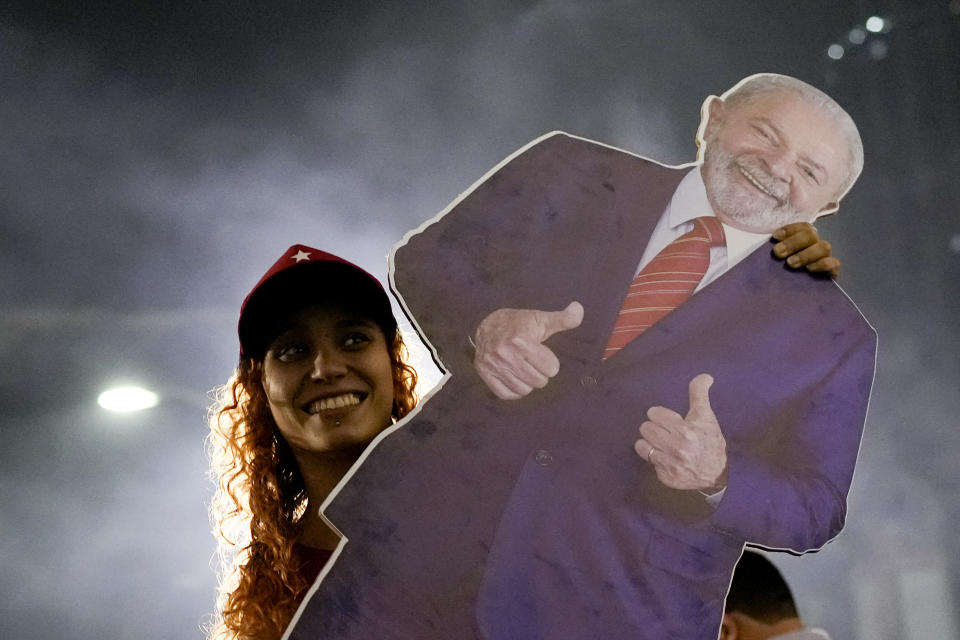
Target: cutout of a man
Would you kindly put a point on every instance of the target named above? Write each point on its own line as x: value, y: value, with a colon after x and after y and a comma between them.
x: 529, y: 515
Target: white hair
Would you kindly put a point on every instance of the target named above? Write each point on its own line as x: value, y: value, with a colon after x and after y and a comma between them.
x: 760, y: 84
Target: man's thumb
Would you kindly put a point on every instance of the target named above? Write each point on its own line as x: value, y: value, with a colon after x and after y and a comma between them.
x: 700, y: 395
x: 568, y: 318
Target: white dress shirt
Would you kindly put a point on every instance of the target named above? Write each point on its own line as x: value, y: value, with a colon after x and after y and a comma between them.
x: 689, y: 201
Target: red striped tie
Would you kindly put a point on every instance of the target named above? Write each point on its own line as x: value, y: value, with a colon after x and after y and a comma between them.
x: 666, y: 282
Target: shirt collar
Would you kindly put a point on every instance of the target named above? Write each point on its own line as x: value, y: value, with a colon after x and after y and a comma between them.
x: 690, y: 201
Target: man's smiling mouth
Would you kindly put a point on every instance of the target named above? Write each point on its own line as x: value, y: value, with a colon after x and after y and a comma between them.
x: 753, y: 180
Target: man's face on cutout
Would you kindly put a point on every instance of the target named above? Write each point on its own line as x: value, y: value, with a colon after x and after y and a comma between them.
x: 771, y: 161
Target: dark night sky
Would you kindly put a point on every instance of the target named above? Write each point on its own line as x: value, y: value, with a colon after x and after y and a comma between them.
x: 155, y: 158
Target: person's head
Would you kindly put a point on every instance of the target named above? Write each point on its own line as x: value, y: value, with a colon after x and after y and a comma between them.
x: 759, y: 604
x: 775, y: 151
x: 319, y: 334
x: 322, y: 371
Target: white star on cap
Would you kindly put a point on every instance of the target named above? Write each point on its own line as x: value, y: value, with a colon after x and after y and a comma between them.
x: 301, y: 256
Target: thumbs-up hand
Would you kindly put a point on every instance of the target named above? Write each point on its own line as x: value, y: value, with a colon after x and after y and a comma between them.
x: 511, y: 358
x: 687, y: 452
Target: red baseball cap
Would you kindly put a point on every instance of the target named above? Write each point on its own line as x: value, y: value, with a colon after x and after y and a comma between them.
x: 301, y: 277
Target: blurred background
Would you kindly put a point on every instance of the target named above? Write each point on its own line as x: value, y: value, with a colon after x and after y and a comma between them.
x: 156, y: 158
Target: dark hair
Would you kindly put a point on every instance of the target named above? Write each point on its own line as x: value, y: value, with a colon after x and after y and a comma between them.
x: 759, y: 591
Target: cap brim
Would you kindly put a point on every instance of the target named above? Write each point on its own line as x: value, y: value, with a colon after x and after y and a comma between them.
x: 270, y: 307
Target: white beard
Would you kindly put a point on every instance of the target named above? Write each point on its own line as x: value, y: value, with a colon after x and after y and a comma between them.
x: 741, y: 203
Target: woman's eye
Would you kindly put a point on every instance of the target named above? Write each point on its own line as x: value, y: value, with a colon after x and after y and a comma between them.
x: 290, y: 352
x: 356, y: 340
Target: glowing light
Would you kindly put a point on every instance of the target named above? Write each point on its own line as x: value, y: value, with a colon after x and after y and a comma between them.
x: 875, y: 24
x: 127, y: 399
x: 857, y: 35
x: 835, y: 51
x: 878, y: 49
x: 955, y: 243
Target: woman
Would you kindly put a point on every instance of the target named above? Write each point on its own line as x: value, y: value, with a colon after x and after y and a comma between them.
x: 321, y: 373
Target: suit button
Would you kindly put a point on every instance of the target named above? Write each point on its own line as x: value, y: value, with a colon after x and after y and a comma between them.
x: 588, y: 381
x: 543, y: 457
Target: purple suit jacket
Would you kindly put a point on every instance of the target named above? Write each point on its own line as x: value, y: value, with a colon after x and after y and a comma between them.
x: 482, y: 518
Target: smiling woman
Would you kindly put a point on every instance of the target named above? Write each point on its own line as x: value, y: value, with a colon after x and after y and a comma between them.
x: 321, y: 373
x: 328, y: 381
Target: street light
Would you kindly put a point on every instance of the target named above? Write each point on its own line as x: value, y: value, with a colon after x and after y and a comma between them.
x: 127, y: 399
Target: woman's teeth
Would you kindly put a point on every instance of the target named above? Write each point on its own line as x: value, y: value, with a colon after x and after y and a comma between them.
x: 334, y: 402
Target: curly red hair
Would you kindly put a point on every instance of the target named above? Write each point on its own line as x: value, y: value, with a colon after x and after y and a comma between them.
x: 260, y: 499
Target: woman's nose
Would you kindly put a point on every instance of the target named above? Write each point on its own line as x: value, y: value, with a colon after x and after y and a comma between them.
x: 328, y: 365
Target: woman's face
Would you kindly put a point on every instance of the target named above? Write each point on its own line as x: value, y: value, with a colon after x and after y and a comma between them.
x: 328, y: 380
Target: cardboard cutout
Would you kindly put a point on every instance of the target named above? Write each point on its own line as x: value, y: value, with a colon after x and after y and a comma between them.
x: 478, y: 517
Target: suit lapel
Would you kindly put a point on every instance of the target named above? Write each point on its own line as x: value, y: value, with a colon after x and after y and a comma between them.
x: 643, y: 190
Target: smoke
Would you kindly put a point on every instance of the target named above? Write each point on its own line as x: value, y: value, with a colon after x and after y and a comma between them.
x: 154, y: 161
